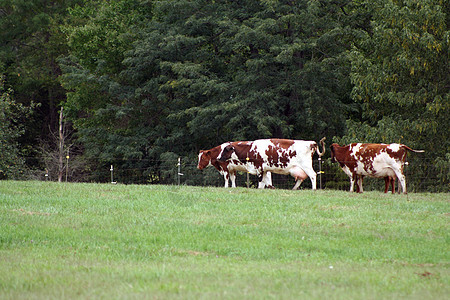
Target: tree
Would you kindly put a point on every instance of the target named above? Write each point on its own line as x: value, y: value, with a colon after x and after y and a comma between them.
x: 30, y: 42
x: 199, y: 73
x: 252, y: 69
x: 12, y: 115
x: 400, y: 75
x: 98, y: 100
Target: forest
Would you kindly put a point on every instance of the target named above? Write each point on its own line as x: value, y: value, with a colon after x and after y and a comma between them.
x: 137, y: 83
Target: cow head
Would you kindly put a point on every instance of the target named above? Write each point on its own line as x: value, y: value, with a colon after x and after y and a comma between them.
x: 226, y: 153
x: 204, y: 159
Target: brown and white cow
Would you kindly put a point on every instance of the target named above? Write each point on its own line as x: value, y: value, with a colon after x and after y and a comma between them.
x: 227, y: 169
x: 375, y: 160
x: 279, y: 156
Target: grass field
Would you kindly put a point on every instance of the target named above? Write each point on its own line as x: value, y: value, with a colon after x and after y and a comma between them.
x: 102, y: 241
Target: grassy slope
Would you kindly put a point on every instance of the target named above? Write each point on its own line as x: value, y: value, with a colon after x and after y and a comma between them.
x: 115, y: 241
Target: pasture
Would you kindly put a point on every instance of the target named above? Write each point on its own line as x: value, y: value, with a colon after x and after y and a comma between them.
x: 106, y: 241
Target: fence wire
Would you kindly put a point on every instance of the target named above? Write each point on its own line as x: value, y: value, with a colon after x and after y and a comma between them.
x: 421, y: 175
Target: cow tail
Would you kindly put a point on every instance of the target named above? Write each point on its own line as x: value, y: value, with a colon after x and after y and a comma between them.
x: 322, y: 142
x: 412, y: 150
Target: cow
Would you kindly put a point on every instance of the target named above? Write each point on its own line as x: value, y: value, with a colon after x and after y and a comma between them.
x: 279, y: 156
x: 374, y: 160
x: 226, y: 168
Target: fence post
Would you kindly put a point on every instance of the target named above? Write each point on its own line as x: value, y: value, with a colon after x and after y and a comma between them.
x: 248, y: 176
x: 179, y: 171
x: 320, y: 173
x: 67, y: 164
x: 112, y: 177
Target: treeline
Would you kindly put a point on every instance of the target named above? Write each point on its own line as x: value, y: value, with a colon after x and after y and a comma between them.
x: 141, y: 80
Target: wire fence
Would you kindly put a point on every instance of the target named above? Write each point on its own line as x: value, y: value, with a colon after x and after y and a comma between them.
x: 422, y: 175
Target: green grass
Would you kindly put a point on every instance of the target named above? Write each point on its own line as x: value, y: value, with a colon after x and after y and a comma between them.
x: 103, y: 241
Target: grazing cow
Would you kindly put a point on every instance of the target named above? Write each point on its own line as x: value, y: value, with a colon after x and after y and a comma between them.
x: 375, y: 160
x: 226, y: 168
x: 279, y: 156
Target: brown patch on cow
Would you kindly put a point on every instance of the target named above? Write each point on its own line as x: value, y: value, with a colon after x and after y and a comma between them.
x: 204, y: 159
x: 342, y: 155
x: 256, y: 159
x: 274, y: 158
x: 282, y: 143
x: 272, y: 155
x: 209, y: 156
x: 313, y: 148
x: 244, y: 153
x: 399, y: 155
x: 366, y: 154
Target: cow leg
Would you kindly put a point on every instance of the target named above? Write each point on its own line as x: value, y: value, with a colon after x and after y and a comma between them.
x: 269, y: 178
x: 312, y: 177
x: 358, y: 179
x: 401, y: 180
x: 225, y: 177
x: 261, y: 180
x: 297, y: 184
x: 359, y: 183
x: 387, y: 181
x: 393, y: 184
x: 233, y: 179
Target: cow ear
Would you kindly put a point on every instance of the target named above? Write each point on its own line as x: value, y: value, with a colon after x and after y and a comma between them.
x: 204, y: 152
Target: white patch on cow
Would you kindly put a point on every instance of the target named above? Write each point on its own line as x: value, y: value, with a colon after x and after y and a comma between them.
x: 394, y: 147
x: 347, y: 171
x: 200, y: 159
x: 260, y: 147
x: 234, y: 156
x: 222, y: 147
x: 236, y: 165
x: 354, y: 150
x: 350, y: 175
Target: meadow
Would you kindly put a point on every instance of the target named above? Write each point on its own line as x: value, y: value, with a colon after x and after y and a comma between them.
x: 104, y: 241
